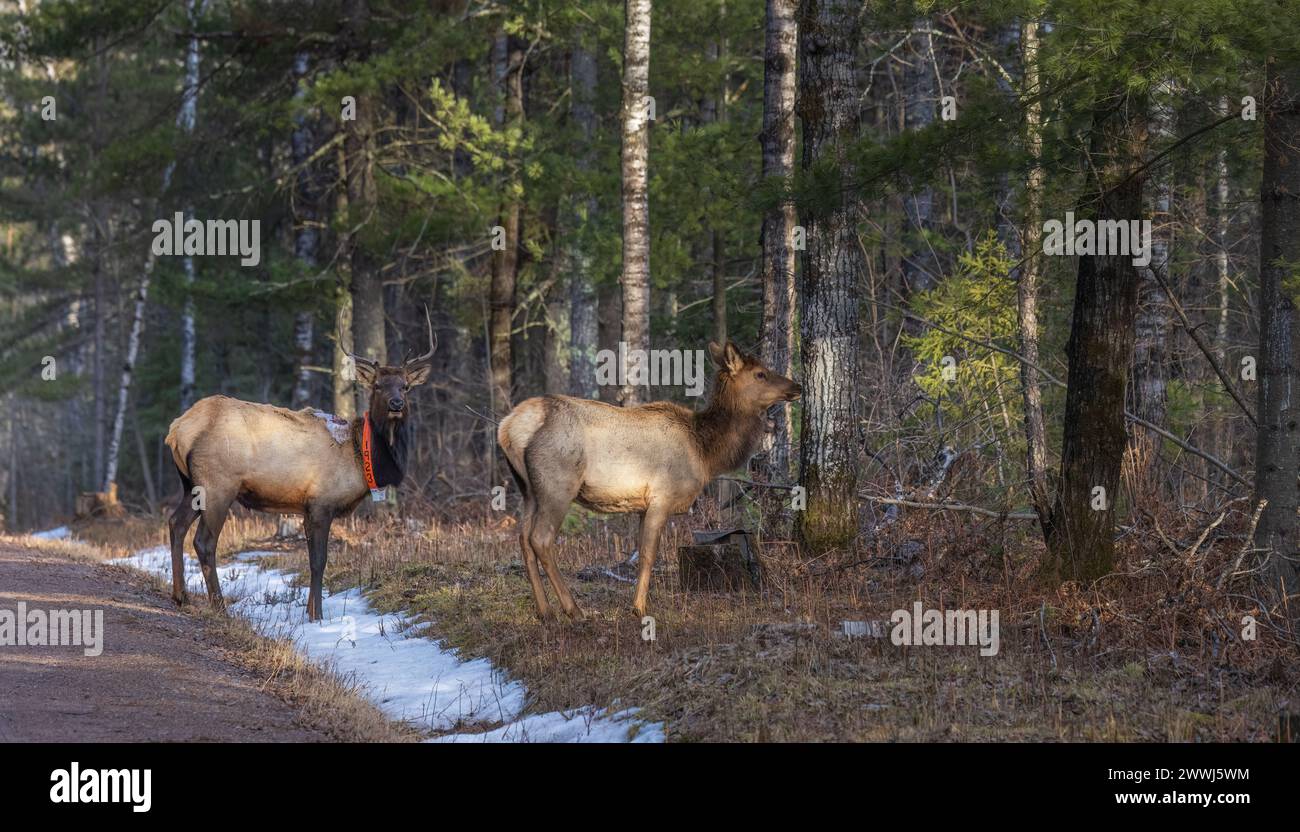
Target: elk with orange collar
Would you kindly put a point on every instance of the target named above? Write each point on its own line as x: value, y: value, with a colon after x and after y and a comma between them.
x: 287, y: 462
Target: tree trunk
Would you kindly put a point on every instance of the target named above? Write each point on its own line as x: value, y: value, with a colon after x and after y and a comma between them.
x: 1278, y: 449
x: 920, y: 265
x: 833, y: 267
x: 98, y: 366
x: 1222, y: 213
x: 1029, y: 283
x: 366, y: 284
x: 306, y: 237
x: 777, y: 338
x: 1151, y: 355
x: 345, y: 403
x: 1080, y: 538
x: 507, y: 64
x: 186, y: 120
x: 636, y: 203
x: 583, y: 311
x: 128, y: 372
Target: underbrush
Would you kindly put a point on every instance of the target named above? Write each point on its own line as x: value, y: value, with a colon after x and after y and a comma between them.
x: 1153, y: 651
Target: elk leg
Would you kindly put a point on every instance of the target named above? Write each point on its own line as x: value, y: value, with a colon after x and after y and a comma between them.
x: 205, y: 545
x: 526, y: 523
x: 317, y: 527
x: 179, y: 525
x: 652, y: 523
x: 546, y: 524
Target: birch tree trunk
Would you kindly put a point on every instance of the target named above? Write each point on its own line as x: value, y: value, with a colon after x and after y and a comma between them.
x: 306, y: 232
x: 1151, y: 355
x: 185, y: 121
x: 636, y: 204
x: 833, y: 268
x: 583, y: 310
x: 1278, y: 444
x: 777, y: 338
x: 1222, y: 214
x: 124, y: 386
x: 1028, y: 287
x: 345, y: 403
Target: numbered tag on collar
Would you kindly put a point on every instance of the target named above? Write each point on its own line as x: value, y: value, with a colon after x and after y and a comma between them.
x: 378, y: 495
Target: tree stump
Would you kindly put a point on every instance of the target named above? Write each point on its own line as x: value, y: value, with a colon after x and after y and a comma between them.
x: 99, y: 504
x: 725, y: 561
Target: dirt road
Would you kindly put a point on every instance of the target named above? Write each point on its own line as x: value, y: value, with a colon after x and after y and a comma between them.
x: 160, y: 677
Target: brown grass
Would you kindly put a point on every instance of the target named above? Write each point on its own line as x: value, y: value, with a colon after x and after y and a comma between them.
x: 1150, y: 653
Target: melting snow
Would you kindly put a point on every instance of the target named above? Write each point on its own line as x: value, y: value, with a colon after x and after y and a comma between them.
x: 410, y: 677
x: 60, y: 533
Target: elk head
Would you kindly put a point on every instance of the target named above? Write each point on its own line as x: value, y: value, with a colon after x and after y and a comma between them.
x: 747, y: 382
x: 389, y: 386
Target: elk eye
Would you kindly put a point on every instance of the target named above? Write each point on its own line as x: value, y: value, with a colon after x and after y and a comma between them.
x: 760, y: 376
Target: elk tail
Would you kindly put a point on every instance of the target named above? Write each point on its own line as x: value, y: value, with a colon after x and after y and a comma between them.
x: 176, y: 440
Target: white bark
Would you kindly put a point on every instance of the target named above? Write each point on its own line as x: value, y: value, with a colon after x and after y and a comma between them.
x: 636, y: 203
x: 186, y: 120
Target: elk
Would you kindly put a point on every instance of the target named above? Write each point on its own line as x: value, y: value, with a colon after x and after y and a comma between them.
x: 287, y: 462
x: 653, y: 460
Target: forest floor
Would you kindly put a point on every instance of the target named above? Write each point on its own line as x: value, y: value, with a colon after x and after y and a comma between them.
x: 164, y: 675
x: 1150, y: 655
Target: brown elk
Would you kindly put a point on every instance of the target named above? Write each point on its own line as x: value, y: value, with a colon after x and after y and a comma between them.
x: 653, y: 460
x: 287, y: 462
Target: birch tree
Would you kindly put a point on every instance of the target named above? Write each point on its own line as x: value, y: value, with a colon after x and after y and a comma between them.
x: 636, y: 195
x: 184, y: 120
x: 780, y: 54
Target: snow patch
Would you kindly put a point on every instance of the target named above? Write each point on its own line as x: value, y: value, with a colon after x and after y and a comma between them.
x: 60, y: 533
x: 408, y: 676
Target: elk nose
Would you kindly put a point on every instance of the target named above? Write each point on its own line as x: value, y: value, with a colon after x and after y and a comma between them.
x: 396, y: 404
x: 796, y: 393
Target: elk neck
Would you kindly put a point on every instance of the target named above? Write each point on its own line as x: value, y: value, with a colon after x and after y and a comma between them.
x: 726, y: 431
x: 388, y: 447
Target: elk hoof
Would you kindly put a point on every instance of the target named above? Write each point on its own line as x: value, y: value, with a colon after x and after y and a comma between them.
x: 576, y: 614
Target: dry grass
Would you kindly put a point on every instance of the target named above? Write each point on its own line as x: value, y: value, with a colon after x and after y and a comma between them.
x: 1150, y: 653
x: 325, y: 700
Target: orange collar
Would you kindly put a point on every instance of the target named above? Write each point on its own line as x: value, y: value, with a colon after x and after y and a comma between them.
x: 367, y: 459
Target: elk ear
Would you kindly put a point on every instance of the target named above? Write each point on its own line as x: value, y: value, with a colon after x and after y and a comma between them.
x: 734, y: 357
x: 718, y: 354
x: 418, y: 374
x: 365, y: 371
